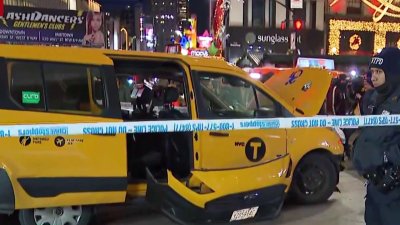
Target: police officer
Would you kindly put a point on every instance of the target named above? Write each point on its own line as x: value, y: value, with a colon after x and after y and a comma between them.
x: 377, y: 152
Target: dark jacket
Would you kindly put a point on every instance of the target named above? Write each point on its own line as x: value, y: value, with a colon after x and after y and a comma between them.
x: 336, y: 100
x: 374, y: 141
x: 366, y: 101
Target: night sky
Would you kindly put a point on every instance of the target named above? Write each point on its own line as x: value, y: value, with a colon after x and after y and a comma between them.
x: 200, y: 8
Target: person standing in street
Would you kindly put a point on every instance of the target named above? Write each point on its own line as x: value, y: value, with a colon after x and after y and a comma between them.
x: 377, y: 152
x: 337, y: 96
x: 368, y: 96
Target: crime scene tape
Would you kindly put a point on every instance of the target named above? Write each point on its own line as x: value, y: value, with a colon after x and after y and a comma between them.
x: 109, y: 128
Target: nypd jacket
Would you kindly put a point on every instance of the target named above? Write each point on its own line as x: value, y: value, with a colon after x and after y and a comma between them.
x: 379, y: 142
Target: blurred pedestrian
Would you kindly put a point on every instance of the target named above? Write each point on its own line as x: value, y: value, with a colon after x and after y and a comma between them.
x: 368, y: 96
x: 336, y: 97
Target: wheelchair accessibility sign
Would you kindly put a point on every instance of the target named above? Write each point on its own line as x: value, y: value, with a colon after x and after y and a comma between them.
x: 294, y: 76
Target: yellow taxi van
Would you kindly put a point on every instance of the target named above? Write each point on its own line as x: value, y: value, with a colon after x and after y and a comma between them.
x: 192, y: 176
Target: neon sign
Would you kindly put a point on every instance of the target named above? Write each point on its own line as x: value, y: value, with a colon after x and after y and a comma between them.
x: 382, y: 8
x: 199, y: 53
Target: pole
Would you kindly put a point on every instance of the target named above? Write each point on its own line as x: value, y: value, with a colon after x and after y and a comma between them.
x: 295, y: 50
x: 126, y: 38
x: 295, y: 40
x: 210, y: 15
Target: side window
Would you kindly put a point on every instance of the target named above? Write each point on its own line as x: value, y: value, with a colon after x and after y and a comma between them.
x: 26, y: 85
x: 98, y: 86
x: 266, y: 105
x: 73, y: 89
x: 152, y: 89
x: 226, y: 96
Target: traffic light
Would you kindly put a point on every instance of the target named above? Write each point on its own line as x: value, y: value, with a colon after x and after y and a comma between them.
x: 283, y: 25
x: 298, y: 24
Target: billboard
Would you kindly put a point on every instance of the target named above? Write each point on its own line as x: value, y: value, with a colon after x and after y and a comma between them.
x: 23, y: 25
x: 304, y: 62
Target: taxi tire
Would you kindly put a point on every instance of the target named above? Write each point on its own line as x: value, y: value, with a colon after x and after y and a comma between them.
x: 323, y: 162
x: 25, y: 216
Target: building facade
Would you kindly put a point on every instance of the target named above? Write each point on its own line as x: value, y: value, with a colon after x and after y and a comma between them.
x: 165, y: 14
x: 350, y: 31
x: 265, y: 27
x: 87, y: 5
x: 183, y: 10
x: 54, y: 23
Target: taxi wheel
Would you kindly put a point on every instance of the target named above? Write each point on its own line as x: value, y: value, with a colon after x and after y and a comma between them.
x: 314, y: 179
x: 72, y: 215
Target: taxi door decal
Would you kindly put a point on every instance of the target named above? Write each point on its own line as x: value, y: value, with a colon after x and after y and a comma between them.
x: 255, y: 149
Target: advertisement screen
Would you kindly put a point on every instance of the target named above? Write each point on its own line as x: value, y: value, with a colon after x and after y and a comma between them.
x: 316, y: 62
x: 25, y: 25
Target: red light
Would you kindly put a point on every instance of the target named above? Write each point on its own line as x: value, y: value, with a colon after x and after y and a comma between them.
x: 283, y: 25
x: 298, y: 25
x: 1, y: 8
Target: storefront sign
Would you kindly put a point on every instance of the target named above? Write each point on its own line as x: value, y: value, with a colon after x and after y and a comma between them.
x: 198, y: 53
x: 275, y: 41
x: 296, y: 4
x: 52, y: 27
x: 260, y: 42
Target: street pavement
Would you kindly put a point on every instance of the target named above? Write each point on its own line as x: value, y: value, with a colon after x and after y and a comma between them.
x: 345, y: 208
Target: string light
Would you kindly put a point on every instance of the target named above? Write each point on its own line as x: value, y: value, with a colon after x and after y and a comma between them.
x: 381, y: 8
x: 379, y: 29
x: 386, y: 8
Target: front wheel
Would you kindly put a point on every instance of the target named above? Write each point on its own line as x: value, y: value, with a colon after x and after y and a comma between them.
x: 314, y: 179
x: 72, y: 215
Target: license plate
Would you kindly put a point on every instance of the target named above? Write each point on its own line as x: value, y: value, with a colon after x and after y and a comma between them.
x: 243, y: 214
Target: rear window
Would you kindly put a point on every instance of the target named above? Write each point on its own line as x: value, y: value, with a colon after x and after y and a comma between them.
x: 26, y: 85
x: 56, y: 87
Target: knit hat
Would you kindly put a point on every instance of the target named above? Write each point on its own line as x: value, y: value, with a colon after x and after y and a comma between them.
x: 389, y: 61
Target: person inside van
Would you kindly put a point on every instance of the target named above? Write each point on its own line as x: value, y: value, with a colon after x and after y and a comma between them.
x: 124, y: 91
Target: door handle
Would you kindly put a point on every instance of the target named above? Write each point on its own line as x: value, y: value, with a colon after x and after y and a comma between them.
x: 219, y: 134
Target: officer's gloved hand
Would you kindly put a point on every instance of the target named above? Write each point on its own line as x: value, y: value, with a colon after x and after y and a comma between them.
x: 389, y: 178
x: 373, y: 175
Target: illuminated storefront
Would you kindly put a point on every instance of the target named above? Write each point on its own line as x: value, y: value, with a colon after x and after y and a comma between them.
x: 376, y: 27
x: 361, y: 37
